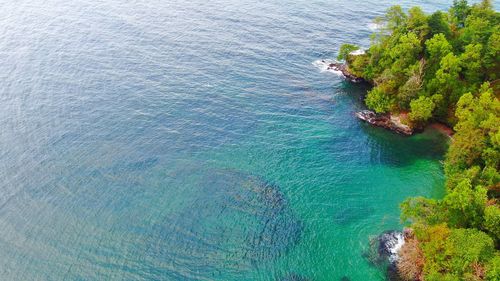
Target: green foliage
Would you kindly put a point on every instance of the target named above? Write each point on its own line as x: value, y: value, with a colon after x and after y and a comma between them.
x: 417, y: 23
x: 460, y: 10
x: 471, y: 246
x: 447, y: 79
x: 394, y: 18
x: 477, y: 128
x: 493, y: 269
x: 405, y: 53
x: 465, y: 205
x: 420, y: 210
x: 437, y: 48
x: 442, y: 67
x: 464, y: 251
x: 345, y: 50
x: 455, y: 254
x: 379, y: 101
x: 492, y: 221
x: 357, y: 64
x: 471, y: 63
x: 492, y: 55
x: 443, y: 54
x: 438, y: 24
x: 421, y: 109
x: 413, y: 86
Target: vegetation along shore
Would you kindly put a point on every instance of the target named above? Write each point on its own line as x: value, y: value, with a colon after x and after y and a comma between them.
x: 442, y: 69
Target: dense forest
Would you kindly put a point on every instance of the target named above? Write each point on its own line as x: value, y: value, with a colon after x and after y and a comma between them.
x: 444, y: 67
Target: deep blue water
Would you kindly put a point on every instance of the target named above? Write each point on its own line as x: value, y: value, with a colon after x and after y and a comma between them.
x: 194, y: 140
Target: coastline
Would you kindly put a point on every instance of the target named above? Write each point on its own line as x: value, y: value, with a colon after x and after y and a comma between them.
x: 389, y: 121
x: 442, y: 128
x: 399, y: 247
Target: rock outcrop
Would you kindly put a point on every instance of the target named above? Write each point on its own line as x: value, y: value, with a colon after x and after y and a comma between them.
x: 386, y: 121
x: 342, y: 67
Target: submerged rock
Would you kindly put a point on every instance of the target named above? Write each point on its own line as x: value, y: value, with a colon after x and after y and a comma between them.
x: 231, y: 221
x: 386, y: 121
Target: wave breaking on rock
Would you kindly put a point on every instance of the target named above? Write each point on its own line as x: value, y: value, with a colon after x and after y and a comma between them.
x: 324, y: 65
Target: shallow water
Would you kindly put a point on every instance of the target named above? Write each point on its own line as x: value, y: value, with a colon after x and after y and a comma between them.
x: 165, y: 140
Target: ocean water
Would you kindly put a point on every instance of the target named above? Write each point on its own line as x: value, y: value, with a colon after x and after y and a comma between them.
x: 195, y: 140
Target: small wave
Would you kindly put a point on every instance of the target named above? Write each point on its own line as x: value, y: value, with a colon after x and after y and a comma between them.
x: 385, y: 247
x: 392, y: 243
x: 375, y: 26
x: 358, y: 52
x: 324, y: 66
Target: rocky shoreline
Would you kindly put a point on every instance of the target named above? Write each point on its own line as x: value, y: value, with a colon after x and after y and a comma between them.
x: 442, y: 128
x: 387, y: 121
x: 394, y: 252
x: 342, y: 67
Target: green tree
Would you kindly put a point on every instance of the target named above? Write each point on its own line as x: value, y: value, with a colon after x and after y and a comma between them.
x: 479, y: 26
x: 486, y: 5
x: 379, y: 101
x: 492, y: 221
x: 437, y: 48
x: 466, y: 204
x: 438, y: 24
x: 413, y: 86
x: 405, y: 53
x: 417, y: 23
x: 447, y: 79
x: 493, y: 269
x: 422, y: 211
x: 471, y: 63
x: 477, y: 127
x: 453, y: 254
x: 394, y: 19
x: 470, y: 247
x: 460, y: 10
x: 445, y: 67
x: 421, y: 109
x: 345, y: 50
x: 492, y: 55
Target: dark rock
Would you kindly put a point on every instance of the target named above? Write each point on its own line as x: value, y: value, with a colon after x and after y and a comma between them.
x: 383, y: 252
x: 343, y: 68
x: 385, y: 121
x: 388, y: 243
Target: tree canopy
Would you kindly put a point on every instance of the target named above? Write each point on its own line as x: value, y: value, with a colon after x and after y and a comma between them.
x: 418, y: 55
x: 445, y: 67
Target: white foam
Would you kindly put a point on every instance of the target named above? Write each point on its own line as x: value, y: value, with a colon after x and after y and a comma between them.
x: 375, y: 26
x: 358, y: 52
x: 324, y: 66
x: 395, y: 245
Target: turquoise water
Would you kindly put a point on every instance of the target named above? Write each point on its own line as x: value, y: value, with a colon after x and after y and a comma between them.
x: 165, y: 140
